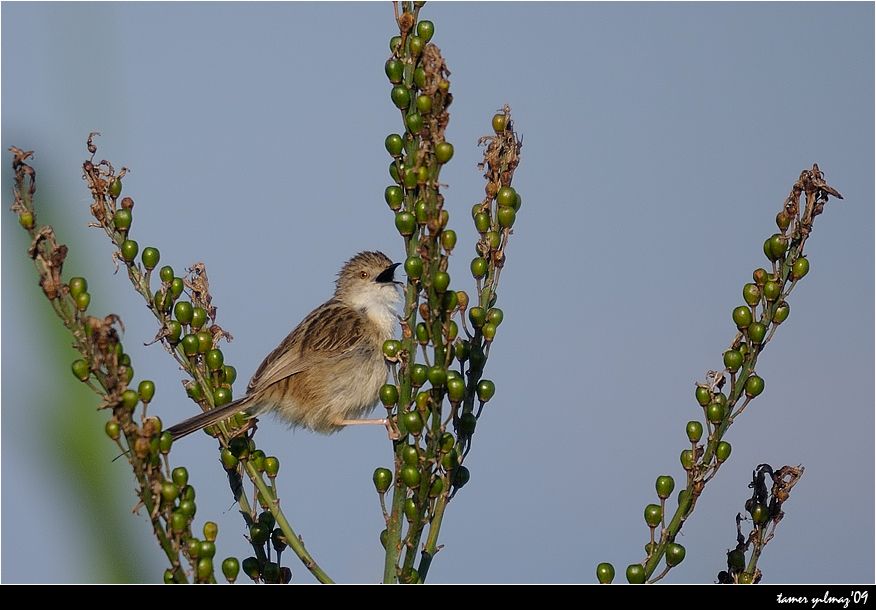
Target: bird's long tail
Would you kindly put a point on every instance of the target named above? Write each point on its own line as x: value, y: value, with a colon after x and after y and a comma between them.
x: 208, y: 418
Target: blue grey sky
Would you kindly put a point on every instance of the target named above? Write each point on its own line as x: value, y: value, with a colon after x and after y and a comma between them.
x: 660, y: 141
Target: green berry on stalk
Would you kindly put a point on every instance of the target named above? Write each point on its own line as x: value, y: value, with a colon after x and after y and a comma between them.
x: 653, y: 515
x: 493, y: 239
x: 742, y: 317
x: 130, y: 399
x: 214, y: 359
x: 413, y: 422
x: 778, y: 246
x: 422, y: 333
x: 115, y: 188
x: 444, y: 152
x: 455, y: 389
x: 722, y: 451
x: 800, y: 268
x: 448, y: 239
x: 165, y: 442
x: 635, y: 574
x: 221, y: 396
x: 230, y: 569
x: 751, y: 294
x: 391, y: 349
x: 760, y: 514
x: 188, y: 508
x: 174, y: 332
x: 506, y: 196
x: 394, y: 197
x: 113, y: 430
x: 178, y: 522
x: 753, y: 386
x: 500, y: 121
x: 199, y: 317
x: 423, y: 399
x: 715, y: 413
x: 251, y: 568
x: 674, y: 554
x: 425, y: 30
x: 478, y: 267
x: 382, y: 479
x: 437, y: 376
x: 77, y: 285
x: 272, y: 466
x: 176, y: 287
x: 424, y: 104
x: 783, y: 220
x: 781, y: 314
x: 205, y: 341
x: 165, y: 274
x: 81, y: 370
x: 756, y: 332
x: 190, y: 345
x: 410, y: 475
x: 604, y: 571
x: 665, y: 486
x: 410, y: 509
x: 486, y: 390
x: 772, y: 290
x: 401, y: 97
x: 395, y: 44
x: 122, y: 220
x: 506, y: 217
x: 414, y: 267
x: 687, y: 459
x: 405, y: 223
x: 420, y: 78
x: 467, y: 424
x: 440, y: 281
x: 394, y: 144
x: 489, y: 331
x: 129, y: 250
x: 694, y: 431
x: 733, y: 360
x: 420, y: 210
x: 183, y: 311
x: 419, y: 374
x: 395, y: 70
x: 82, y: 301
x: 414, y: 122
x: 150, y: 257
x: 760, y: 276
x: 450, y: 301
x: 388, y: 395
x: 415, y: 45
x: 703, y: 395
x: 436, y: 488
x: 180, y: 476
x: 409, y: 455
x: 25, y: 219
x: 461, y: 477
x: 482, y: 222
x: 495, y: 316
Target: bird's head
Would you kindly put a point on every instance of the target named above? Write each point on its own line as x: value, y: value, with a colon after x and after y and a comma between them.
x: 367, y: 282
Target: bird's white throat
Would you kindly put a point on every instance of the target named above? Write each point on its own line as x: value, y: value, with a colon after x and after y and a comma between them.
x: 380, y: 303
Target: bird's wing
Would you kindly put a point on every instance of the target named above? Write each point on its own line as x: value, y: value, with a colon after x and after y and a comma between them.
x: 327, y: 332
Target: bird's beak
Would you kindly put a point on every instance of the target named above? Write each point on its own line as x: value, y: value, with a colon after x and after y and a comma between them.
x: 387, y: 275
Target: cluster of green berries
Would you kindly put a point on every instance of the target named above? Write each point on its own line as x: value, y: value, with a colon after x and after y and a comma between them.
x: 263, y: 532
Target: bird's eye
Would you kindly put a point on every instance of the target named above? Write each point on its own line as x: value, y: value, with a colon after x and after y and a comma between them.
x: 363, y: 274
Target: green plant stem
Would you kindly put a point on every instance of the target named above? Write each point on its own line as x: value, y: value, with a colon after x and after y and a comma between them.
x: 431, y: 546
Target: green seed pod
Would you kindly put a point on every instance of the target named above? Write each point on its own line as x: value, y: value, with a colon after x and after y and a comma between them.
x: 722, y: 451
x: 518, y: 202
x: 81, y: 370
x: 715, y: 413
x: 783, y: 220
x: 122, y: 220
x: 694, y: 431
x: 482, y: 222
x: 409, y: 455
x: 477, y: 316
x: 83, y: 301
x: 257, y: 459
x: 165, y: 442
x: 391, y: 349
x: 674, y: 554
x: 604, y: 571
x: 736, y: 560
x: 174, y: 331
x: 130, y: 399
x: 205, y: 568
x: 462, y: 350
x: 437, y: 488
x: 419, y: 375
x: 113, y: 430
x: 495, y: 316
x: 221, y: 396
x: 506, y: 196
x: 448, y: 240
x: 461, y: 476
x: 129, y: 250
x: 413, y: 422
x: 437, y: 376
x: 653, y: 515
x: 751, y: 294
x: 478, y: 267
x: 199, y: 317
x: 401, y: 97
x: 178, y: 522
x: 440, y: 281
x: 760, y: 514
x: 703, y: 396
x: 229, y: 373
x: 415, y: 45
x: 452, y: 330
x: 410, y: 476
x: 205, y: 342
x: 753, y: 386
x: 169, y: 491
x: 165, y: 274
x: 406, y: 223
x: 414, y: 122
x: 742, y: 317
x: 424, y: 104
x: 425, y: 30
x: 228, y: 459
x: 389, y: 395
x: 395, y: 71
x: 423, y: 399
x: 489, y: 331
x: 77, y: 286
x: 230, y: 569
x: 500, y: 121
x: 782, y: 312
x: 449, y: 301
x: 414, y: 267
x: 778, y: 245
x: 506, y: 217
x: 687, y: 459
x: 394, y: 197
x: 150, y: 257
x: 760, y: 276
x: 168, y: 577
x: 410, y: 509
x: 190, y: 345
x: 665, y: 485
x: 486, y: 390
x: 422, y: 333
x: 180, y: 476
x: 251, y: 568
x: 115, y: 188
x: 176, y: 287
x: 467, y: 424
x: 800, y: 268
x: 772, y: 290
x: 756, y: 332
x: 455, y: 390
x: 450, y: 459
x: 395, y: 44
x: 635, y: 574
x: 443, y: 152
x: 733, y: 359
x: 272, y: 466
x: 420, y: 78
x: 214, y: 359
x: 25, y: 219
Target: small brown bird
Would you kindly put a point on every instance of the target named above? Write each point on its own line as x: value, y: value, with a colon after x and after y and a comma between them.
x: 327, y: 373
